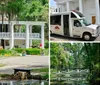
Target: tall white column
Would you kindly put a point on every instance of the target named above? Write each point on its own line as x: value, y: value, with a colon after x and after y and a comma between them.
x: 80, y: 6
x: 67, y: 6
x: 27, y: 36
x: 97, y: 11
x: 58, y: 8
x: 11, y: 36
x: 31, y: 32
x: 42, y: 35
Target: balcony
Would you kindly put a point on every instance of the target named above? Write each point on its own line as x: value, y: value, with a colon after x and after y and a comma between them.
x: 7, y: 35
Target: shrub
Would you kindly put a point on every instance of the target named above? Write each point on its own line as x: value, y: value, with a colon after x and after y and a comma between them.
x: 45, y: 76
x: 4, y: 51
x: 46, y: 44
x: 19, y: 50
x: 46, y: 51
x: 33, y: 51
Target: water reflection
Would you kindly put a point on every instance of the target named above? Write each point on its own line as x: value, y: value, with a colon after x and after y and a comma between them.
x: 70, y: 78
x: 25, y: 82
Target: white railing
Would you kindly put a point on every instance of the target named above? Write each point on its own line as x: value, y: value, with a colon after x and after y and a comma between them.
x: 4, y: 35
x: 19, y: 35
x: 34, y: 35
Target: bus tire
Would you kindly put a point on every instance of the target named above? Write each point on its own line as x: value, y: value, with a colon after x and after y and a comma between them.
x: 87, y: 36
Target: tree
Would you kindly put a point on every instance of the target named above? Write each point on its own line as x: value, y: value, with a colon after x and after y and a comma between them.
x: 92, y: 61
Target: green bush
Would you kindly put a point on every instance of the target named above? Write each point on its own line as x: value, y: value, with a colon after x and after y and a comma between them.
x: 4, y: 51
x: 46, y: 44
x: 19, y: 50
x: 45, y: 76
x: 33, y: 51
x: 29, y: 51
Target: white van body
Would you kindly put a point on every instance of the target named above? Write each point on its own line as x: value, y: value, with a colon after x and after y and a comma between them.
x: 73, y: 24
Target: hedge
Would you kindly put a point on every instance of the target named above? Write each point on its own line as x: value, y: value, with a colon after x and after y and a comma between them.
x: 29, y: 51
x: 19, y: 50
x: 33, y: 51
x: 5, y: 51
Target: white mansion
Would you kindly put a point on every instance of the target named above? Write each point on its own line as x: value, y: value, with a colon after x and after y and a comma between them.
x: 9, y: 38
x: 90, y: 8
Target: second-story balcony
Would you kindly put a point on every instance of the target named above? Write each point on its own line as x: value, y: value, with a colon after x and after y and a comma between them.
x: 7, y: 35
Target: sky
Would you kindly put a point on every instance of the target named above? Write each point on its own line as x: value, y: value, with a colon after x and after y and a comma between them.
x: 52, y: 3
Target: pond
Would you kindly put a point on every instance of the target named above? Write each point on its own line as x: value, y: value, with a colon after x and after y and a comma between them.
x: 70, y: 78
x: 24, y: 82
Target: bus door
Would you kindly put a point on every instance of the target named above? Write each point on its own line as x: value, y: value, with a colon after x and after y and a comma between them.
x: 66, y: 24
x: 77, y: 28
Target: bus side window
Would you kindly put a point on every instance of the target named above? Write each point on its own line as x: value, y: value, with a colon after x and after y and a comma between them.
x: 55, y: 20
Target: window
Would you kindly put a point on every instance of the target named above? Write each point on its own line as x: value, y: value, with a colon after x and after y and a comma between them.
x: 77, y: 23
x: 73, y: 16
x: 85, y: 22
x: 55, y: 20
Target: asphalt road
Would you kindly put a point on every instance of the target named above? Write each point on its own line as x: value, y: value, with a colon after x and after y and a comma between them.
x: 59, y: 38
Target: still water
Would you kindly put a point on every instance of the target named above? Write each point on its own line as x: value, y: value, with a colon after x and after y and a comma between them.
x: 25, y: 82
x: 70, y: 78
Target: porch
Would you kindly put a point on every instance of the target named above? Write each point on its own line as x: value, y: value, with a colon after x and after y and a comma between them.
x: 22, y: 30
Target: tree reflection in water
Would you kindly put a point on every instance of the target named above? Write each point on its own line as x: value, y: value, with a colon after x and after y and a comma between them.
x: 25, y: 82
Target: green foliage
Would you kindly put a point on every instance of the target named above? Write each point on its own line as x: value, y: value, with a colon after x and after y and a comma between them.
x: 19, y: 50
x: 35, y: 10
x: 46, y: 44
x: 58, y: 56
x: 33, y: 51
x: 36, y: 43
x: 5, y: 51
x: 45, y: 76
x: 41, y: 70
x: 81, y: 55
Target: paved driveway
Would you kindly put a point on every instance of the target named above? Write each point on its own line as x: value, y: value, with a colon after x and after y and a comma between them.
x: 35, y: 61
x: 62, y: 38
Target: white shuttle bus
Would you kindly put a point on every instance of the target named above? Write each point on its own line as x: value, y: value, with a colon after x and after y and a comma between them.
x: 72, y: 24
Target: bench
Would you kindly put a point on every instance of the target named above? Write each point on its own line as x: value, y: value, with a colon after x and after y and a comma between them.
x: 22, y: 69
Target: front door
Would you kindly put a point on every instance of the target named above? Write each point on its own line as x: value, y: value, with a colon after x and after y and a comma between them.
x: 66, y: 24
x: 77, y: 28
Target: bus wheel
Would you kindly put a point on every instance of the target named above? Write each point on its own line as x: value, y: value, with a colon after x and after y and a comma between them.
x: 87, y: 36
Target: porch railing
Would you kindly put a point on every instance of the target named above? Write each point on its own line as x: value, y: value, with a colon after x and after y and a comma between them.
x: 4, y: 35
x: 19, y: 35
x: 7, y: 35
x: 34, y: 35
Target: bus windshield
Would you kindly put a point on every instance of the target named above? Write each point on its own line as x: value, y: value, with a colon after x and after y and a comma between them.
x: 85, y: 22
